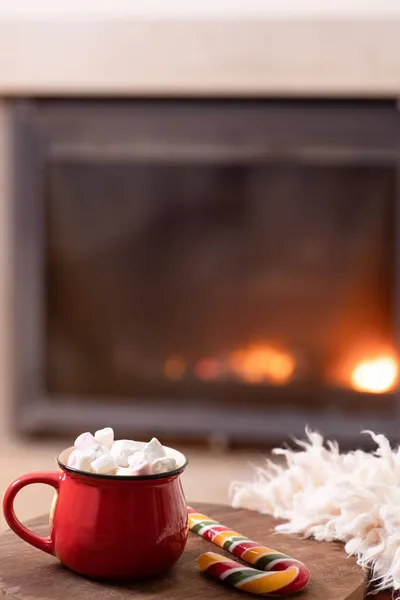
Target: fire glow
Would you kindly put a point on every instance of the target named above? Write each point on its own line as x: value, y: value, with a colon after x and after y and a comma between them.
x: 256, y: 363
x: 260, y: 363
x: 368, y: 367
x: 376, y: 375
x: 174, y: 367
x: 365, y: 368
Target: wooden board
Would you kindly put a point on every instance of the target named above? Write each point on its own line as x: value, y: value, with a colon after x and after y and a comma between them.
x: 28, y: 574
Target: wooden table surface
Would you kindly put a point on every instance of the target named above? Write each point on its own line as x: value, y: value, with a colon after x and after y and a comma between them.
x: 28, y: 574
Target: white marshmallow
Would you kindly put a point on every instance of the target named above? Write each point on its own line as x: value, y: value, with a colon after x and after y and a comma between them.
x: 72, y: 458
x: 124, y: 471
x: 154, y: 450
x: 141, y: 468
x: 105, y: 437
x: 118, y: 444
x: 84, y: 441
x: 104, y: 464
x: 139, y: 465
x: 163, y: 465
x: 121, y: 450
x: 84, y: 458
x: 101, y: 454
x: 97, y: 450
x: 136, y: 458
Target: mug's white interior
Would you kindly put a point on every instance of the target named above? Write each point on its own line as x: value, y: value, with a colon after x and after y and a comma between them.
x: 178, y: 456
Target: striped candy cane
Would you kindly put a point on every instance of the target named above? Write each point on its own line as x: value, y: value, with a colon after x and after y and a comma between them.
x: 274, y: 573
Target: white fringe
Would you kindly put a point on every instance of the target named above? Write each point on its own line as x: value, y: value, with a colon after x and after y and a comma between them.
x: 352, y: 497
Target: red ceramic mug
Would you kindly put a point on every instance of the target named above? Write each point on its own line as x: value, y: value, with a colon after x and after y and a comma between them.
x: 109, y: 526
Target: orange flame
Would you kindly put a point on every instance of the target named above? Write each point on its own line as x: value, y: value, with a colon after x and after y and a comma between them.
x: 207, y: 369
x: 174, y: 367
x: 262, y: 362
x: 376, y: 375
x: 368, y: 366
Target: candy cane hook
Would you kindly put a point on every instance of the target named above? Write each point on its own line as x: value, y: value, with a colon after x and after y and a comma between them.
x: 274, y: 573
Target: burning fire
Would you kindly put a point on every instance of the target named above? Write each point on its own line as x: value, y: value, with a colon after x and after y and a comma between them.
x: 370, y: 366
x: 174, y: 367
x: 256, y: 363
x: 376, y: 374
x: 207, y: 369
x: 262, y: 362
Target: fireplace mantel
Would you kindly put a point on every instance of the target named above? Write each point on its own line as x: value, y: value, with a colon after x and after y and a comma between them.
x: 290, y: 48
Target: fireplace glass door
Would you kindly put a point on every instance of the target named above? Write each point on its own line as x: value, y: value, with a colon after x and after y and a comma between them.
x: 239, y: 255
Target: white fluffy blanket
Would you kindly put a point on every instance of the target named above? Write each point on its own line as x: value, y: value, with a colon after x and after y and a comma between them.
x: 321, y: 493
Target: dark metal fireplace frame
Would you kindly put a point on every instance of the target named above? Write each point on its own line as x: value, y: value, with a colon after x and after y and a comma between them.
x: 317, y: 131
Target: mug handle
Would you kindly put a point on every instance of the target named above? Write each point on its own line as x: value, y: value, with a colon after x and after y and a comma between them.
x: 42, y: 543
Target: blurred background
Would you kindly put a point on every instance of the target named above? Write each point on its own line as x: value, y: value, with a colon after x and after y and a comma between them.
x: 199, y: 229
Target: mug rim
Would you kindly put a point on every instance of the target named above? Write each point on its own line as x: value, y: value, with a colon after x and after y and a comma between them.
x: 104, y: 477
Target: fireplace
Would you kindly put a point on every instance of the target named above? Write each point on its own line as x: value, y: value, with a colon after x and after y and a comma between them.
x: 206, y: 267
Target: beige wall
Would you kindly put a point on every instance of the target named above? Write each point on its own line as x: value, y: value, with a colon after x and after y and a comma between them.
x: 5, y: 270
